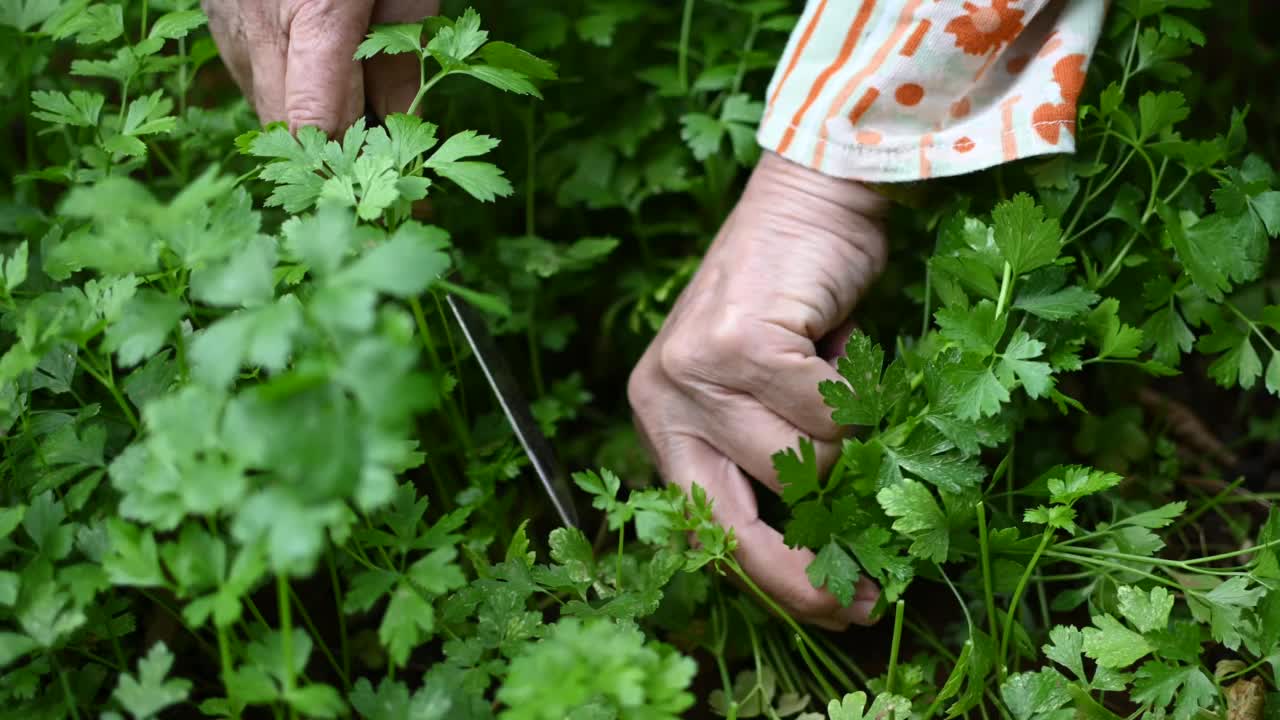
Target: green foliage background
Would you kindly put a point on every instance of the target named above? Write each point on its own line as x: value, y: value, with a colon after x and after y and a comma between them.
x: 248, y: 470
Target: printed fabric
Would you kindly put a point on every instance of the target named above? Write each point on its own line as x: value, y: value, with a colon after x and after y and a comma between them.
x: 899, y: 90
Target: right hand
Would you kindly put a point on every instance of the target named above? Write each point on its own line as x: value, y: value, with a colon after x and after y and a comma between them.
x: 293, y: 59
x: 733, y: 375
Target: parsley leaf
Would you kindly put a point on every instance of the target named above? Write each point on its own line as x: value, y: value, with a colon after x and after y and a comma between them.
x: 918, y: 517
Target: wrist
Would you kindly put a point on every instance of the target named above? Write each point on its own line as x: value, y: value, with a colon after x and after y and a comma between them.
x: 825, y: 208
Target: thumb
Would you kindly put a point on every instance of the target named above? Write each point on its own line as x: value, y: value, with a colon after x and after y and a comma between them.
x: 323, y: 82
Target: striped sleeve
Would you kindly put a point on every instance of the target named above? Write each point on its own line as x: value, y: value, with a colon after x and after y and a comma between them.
x: 898, y: 90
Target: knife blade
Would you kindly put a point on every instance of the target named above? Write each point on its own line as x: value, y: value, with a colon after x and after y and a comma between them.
x: 516, y: 408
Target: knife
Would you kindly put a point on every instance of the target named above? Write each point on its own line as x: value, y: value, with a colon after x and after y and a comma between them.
x: 516, y: 408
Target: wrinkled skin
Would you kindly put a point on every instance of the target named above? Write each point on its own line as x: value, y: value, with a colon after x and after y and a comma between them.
x: 293, y: 58
x: 733, y: 375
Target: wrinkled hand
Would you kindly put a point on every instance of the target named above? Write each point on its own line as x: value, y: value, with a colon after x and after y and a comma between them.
x: 733, y: 375
x: 293, y: 58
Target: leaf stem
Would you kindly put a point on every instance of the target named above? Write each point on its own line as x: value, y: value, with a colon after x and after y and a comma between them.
x: 1007, y: 630
x: 1006, y: 282
x: 286, y: 639
x: 422, y: 91
x: 985, y: 551
x: 68, y: 696
x: 682, y: 60
x: 898, y: 611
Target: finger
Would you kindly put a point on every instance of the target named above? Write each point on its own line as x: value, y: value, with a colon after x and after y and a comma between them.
x: 267, y: 49
x: 324, y: 84
x: 227, y: 28
x: 391, y: 81
x: 794, y: 393
x: 832, y: 346
x: 750, y: 434
x: 777, y: 569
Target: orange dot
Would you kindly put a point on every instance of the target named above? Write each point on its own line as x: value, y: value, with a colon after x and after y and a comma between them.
x: 867, y: 137
x: 986, y: 20
x: 963, y: 145
x: 1017, y: 64
x: 960, y: 108
x: 908, y: 93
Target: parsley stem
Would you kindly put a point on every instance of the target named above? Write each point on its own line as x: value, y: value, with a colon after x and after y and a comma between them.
x: 822, y: 679
x: 324, y: 647
x: 338, y: 604
x: 69, y: 696
x: 224, y: 656
x: 422, y: 91
x: 1006, y: 283
x: 898, y: 611
x: 682, y: 59
x: 985, y: 554
x: 286, y: 639
x: 799, y: 632
x: 104, y: 379
x: 1017, y: 598
x: 1253, y: 326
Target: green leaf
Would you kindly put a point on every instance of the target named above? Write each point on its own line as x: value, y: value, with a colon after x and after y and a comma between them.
x: 1147, y: 611
x: 871, y: 390
x: 504, y: 79
x: 918, y: 517
x: 505, y: 55
x: 391, y: 40
x: 1076, y: 482
x: 149, y: 692
x: 14, y: 268
x: 1113, y: 338
x: 853, y: 706
x: 1158, y: 683
x: 317, y: 700
x: 148, y: 115
x: 142, y: 329
x: 797, y: 472
x: 1065, y: 646
x: 79, y: 108
x: 1168, y: 334
x: 975, y: 391
x: 458, y: 41
x: 405, y: 265
x: 1018, y: 361
x: 1058, y: 305
x: 1056, y: 516
x: 833, y: 568
x: 930, y: 457
x: 975, y: 330
x: 1112, y: 645
x: 1025, y: 238
x: 1158, y: 112
x: 177, y: 24
x: 482, y: 181
x: 1240, y: 363
x: 1035, y: 695
x: 702, y: 133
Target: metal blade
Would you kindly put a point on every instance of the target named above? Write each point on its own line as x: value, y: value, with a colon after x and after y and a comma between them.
x: 516, y: 408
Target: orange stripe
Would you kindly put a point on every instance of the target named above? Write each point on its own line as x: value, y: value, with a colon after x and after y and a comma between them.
x: 904, y: 22
x: 800, y: 46
x: 926, y: 142
x: 864, y: 104
x: 913, y: 43
x: 986, y: 64
x: 1009, y: 142
x: 846, y: 50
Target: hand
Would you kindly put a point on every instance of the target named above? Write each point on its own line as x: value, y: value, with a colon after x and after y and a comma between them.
x: 733, y: 375
x: 294, y: 58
